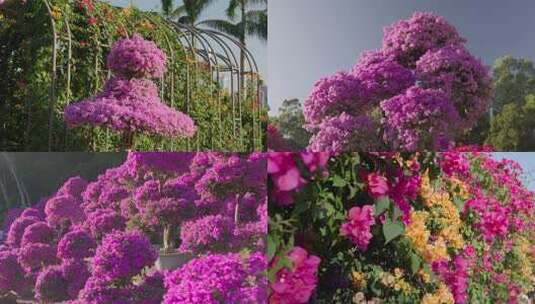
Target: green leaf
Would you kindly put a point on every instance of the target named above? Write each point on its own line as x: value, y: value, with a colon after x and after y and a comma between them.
x: 416, y: 261
x: 356, y: 158
x: 271, y: 247
x: 397, y: 213
x: 381, y: 205
x: 459, y: 203
x: 338, y: 181
x: 391, y: 230
x: 352, y: 192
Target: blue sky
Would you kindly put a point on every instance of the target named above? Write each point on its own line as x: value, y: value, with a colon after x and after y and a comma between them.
x: 215, y: 11
x: 310, y: 39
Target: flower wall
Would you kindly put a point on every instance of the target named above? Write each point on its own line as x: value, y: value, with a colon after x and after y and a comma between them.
x: 452, y: 227
x: 97, y: 242
x: 422, y: 90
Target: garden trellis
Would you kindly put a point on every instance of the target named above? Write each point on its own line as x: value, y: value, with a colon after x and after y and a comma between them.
x: 53, y: 53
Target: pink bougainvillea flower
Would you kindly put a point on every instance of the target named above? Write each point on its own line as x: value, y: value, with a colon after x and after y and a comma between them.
x: 296, y: 285
x: 315, y: 161
x: 358, y: 226
x: 377, y: 185
x: 285, y: 174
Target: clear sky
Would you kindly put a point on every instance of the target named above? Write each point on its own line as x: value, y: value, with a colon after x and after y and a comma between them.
x: 215, y: 11
x: 310, y: 39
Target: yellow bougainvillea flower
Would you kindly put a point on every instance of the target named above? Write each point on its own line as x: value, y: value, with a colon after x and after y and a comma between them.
x: 416, y: 231
x: 438, y: 251
x: 424, y: 276
x: 387, y: 279
x: 56, y: 13
x: 358, y: 279
x: 127, y: 11
x: 441, y: 296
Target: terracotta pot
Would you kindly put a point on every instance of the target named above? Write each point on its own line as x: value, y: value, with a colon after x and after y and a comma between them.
x: 171, y: 261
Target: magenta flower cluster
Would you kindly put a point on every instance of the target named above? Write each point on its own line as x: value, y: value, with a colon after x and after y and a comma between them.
x: 419, y: 118
x: 422, y: 90
x: 456, y: 72
x: 231, y: 191
x: 296, y: 285
x: 408, y: 40
x: 495, y: 219
x: 77, y: 244
x: 358, y: 226
x: 81, y: 245
x: 129, y: 102
x: 219, y: 278
x: 12, y: 276
x: 336, y: 134
x: 137, y: 58
x: 284, y: 172
x: 122, y: 256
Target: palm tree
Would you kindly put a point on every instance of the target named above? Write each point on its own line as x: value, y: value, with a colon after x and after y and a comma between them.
x: 188, y: 13
x: 167, y: 7
x: 252, y: 22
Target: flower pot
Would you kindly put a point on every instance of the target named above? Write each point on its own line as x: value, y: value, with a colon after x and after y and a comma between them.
x: 171, y: 261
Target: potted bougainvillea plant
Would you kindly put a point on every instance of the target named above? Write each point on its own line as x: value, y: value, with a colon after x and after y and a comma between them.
x: 451, y: 227
x: 97, y: 242
x: 422, y: 90
x: 129, y: 102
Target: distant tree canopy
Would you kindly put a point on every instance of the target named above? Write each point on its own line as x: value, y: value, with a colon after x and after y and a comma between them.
x: 513, y: 129
x: 514, y: 79
x: 290, y: 123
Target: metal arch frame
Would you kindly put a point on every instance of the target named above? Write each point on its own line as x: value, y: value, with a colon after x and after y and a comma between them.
x: 218, y: 51
x: 227, y: 56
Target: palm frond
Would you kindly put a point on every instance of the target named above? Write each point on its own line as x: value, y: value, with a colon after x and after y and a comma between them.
x: 257, y: 29
x: 194, y: 8
x: 232, y: 7
x: 167, y: 7
x: 224, y: 26
x: 257, y: 23
x: 179, y: 12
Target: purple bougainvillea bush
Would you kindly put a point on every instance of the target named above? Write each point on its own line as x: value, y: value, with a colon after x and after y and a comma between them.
x: 97, y: 242
x: 129, y: 102
x: 421, y: 90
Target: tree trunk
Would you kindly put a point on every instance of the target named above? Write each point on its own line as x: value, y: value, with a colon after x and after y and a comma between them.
x: 168, y: 239
x: 127, y: 140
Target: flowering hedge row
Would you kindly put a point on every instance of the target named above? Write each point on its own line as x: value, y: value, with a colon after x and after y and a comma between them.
x: 96, y: 242
x: 421, y: 90
x: 453, y: 227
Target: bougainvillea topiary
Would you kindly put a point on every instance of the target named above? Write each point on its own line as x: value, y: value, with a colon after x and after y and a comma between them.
x: 94, y: 244
x: 422, y: 90
x: 121, y: 256
x: 452, y: 227
x: 130, y: 102
x: 77, y: 244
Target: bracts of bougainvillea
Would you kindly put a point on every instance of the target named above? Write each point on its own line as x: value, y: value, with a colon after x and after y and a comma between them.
x: 129, y: 102
x: 450, y: 227
x: 98, y: 242
x: 421, y: 90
